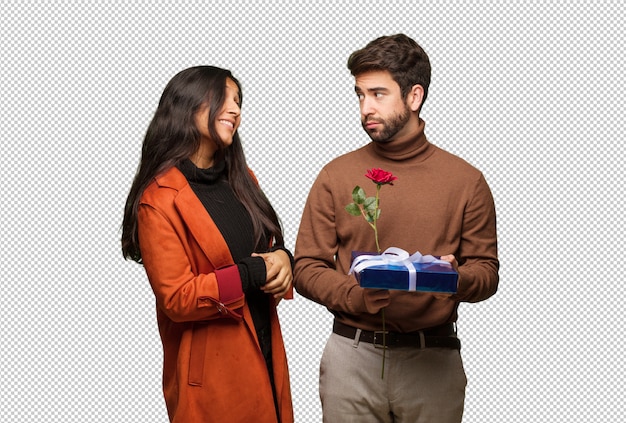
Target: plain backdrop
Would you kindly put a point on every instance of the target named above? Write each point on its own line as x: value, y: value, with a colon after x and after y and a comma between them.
x: 531, y: 93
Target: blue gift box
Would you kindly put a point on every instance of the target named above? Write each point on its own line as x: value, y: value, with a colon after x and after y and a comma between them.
x: 429, y: 276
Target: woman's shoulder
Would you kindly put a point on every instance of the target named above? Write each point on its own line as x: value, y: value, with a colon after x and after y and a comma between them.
x: 253, y: 176
x: 164, y: 187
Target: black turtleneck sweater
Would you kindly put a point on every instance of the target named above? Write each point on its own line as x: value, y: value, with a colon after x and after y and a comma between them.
x: 232, y: 219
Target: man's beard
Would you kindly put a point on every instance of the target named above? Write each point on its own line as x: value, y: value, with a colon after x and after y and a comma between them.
x: 390, y: 127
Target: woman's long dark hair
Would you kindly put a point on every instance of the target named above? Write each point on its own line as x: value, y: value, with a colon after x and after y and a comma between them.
x: 172, y: 137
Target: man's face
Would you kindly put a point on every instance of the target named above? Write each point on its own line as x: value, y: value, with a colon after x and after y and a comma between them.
x: 384, y: 113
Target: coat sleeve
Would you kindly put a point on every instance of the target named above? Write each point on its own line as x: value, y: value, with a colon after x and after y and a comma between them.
x: 182, y: 292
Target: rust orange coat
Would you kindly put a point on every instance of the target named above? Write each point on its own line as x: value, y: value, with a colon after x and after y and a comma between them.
x: 213, y: 368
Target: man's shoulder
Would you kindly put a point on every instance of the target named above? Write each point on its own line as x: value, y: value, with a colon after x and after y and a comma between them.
x: 454, y: 162
x: 348, y: 159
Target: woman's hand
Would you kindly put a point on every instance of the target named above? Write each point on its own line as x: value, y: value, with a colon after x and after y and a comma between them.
x: 279, y: 275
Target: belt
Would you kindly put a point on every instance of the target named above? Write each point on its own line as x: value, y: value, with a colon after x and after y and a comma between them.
x: 437, y: 337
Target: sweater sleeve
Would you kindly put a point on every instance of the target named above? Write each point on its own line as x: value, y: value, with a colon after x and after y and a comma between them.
x: 478, y: 255
x: 315, y: 274
x: 252, y: 273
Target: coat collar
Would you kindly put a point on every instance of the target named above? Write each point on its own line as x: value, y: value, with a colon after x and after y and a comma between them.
x: 197, y: 219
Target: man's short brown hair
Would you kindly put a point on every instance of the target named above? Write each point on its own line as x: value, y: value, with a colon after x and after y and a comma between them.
x: 398, y: 54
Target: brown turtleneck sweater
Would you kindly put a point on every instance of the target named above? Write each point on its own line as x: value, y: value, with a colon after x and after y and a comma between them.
x: 439, y: 205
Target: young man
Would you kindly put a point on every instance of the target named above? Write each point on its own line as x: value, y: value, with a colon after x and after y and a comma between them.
x: 439, y: 205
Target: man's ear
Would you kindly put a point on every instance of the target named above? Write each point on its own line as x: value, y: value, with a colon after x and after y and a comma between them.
x: 415, y: 97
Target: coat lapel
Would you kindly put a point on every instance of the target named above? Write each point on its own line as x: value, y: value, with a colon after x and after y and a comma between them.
x: 198, y: 220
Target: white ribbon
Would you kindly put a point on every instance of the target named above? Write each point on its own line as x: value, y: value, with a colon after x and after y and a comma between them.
x: 397, y: 256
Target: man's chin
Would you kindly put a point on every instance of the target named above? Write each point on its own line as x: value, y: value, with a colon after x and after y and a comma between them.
x: 377, y: 138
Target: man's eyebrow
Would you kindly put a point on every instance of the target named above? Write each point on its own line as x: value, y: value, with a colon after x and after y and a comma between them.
x: 373, y: 89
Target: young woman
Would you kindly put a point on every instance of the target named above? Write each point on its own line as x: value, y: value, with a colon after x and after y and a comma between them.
x: 212, y: 248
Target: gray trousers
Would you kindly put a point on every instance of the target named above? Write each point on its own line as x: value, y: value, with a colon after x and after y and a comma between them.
x: 419, y: 386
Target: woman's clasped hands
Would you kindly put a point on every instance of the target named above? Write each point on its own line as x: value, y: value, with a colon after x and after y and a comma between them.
x: 279, y: 275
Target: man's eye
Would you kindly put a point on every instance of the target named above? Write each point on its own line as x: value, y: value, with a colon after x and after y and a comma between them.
x: 378, y: 95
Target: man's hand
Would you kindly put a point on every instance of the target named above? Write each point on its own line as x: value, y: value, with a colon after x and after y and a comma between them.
x: 375, y: 299
x: 455, y: 265
x: 452, y: 260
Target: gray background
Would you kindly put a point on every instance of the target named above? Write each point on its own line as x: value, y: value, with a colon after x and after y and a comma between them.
x: 529, y: 92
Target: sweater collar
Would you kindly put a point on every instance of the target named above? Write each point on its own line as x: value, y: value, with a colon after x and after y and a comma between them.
x: 203, y: 176
x: 404, y: 149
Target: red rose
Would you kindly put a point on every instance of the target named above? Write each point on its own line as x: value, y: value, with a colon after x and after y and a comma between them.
x: 380, y: 177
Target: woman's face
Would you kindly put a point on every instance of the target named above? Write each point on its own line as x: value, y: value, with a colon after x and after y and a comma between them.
x: 227, y: 121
